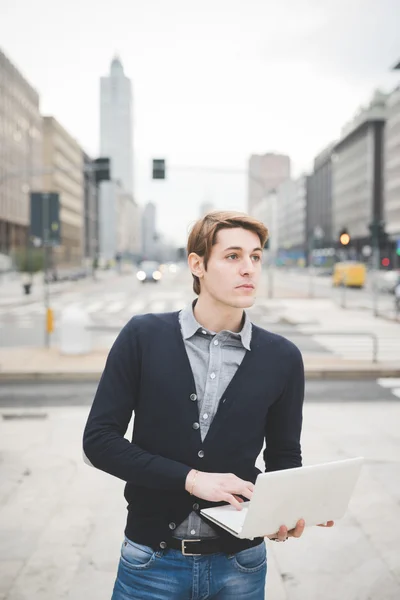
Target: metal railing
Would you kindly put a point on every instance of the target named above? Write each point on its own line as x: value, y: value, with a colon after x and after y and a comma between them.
x: 373, y: 336
x: 285, y: 332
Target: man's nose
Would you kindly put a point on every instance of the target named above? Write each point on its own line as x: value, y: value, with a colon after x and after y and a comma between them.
x: 247, y: 266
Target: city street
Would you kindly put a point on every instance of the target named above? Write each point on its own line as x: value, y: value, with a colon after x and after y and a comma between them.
x: 61, y: 522
x: 258, y: 145
x: 111, y: 301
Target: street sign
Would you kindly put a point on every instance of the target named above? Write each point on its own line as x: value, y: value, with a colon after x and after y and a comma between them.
x: 45, y: 218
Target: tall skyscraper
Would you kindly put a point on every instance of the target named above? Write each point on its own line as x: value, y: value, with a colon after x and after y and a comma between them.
x: 116, y: 136
x: 266, y: 173
x: 149, y: 232
x: 115, y: 143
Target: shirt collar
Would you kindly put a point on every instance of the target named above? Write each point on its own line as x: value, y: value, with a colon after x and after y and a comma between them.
x: 190, y: 326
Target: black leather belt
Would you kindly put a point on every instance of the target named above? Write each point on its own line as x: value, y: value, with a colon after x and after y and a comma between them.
x: 199, y: 547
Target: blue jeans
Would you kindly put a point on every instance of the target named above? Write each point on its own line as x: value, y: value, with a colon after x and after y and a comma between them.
x: 145, y: 574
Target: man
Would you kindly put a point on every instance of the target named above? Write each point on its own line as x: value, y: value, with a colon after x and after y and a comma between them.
x: 207, y: 388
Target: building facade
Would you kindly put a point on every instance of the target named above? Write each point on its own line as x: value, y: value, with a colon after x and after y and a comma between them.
x: 149, y: 232
x: 266, y: 211
x: 128, y: 227
x: 116, y: 135
x: 20, y: 154
x: 91, y: 211
x: 265, y: 173
x: 391, y: 213
x: 319, y: 198
x: 63, y: 160
x: 291, y: 203
x: 108, y: 220
x: 357, y: 174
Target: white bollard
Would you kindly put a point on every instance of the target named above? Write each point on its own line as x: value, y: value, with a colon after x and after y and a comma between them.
x: 75, y: 335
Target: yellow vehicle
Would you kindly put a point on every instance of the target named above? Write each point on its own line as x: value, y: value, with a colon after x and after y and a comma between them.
x: 349, y: 274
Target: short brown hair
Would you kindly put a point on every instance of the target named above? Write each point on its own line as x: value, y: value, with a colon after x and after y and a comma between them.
x: 203, y: 234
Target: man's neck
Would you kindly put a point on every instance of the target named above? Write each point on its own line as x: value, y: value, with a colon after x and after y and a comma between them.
x: 215, y: 316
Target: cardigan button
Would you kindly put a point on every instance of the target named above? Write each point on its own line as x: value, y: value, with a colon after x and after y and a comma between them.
x: 200, y: 454
x: 196, y: 506
x: 163, y: 545
x: 196, y: 425
x: 193, y: 397
x: 172, y: 526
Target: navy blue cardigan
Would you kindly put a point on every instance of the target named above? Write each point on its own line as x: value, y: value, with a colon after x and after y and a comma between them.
x: 148, y: 372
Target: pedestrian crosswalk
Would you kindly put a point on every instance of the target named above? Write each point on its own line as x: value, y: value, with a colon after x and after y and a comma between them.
x: 391, y: 383
x: 113, y: 309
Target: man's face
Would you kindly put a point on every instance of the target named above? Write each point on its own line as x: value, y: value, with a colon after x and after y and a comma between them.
x: 234, y: 268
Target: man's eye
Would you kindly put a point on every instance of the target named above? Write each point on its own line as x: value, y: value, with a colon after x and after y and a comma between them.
x: 232, y: 256
x: 256, y: 257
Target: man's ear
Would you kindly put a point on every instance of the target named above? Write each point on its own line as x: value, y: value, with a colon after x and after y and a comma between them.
x: 196, y: 264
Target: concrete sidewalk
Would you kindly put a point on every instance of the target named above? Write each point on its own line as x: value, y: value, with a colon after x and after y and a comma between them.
x: 61, y: 522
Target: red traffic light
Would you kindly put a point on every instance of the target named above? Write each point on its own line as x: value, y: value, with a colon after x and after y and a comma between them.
x: 385, y: 262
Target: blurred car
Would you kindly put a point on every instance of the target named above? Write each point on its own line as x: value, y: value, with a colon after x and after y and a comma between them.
x: 349, y: 274
x: 149, y: 271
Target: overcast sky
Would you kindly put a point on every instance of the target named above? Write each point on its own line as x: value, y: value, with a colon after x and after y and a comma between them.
x: 213, y: 81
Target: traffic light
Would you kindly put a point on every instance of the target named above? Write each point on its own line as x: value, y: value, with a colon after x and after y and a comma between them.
x: 398, y: 247
x: 158, y: 168
x: 344, y: 237
x: 385, y: 262
x: 101, y: 168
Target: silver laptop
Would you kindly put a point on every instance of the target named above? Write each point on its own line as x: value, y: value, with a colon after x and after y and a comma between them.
x: 316, y: 493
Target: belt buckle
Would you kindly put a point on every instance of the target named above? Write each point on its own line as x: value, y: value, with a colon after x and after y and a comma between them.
x: 184, y: 549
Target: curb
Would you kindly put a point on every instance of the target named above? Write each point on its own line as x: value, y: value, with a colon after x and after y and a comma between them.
x: 312, y: 373
x: 47, y: 376
x: 352, y: 374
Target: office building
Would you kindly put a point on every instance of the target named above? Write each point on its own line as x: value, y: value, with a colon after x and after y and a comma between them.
x: 291, y: 207
x: 63, y: 160
x: 265, y: 173
x: 357, y: 174
x: 91, y: 211
x: 319, y: 199
x: 116, y: 135
x: 20, y: 154
x: 149, y: 232
x: 391, y: 213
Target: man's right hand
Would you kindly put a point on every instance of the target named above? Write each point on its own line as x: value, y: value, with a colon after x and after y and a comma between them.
x: 219, y: 487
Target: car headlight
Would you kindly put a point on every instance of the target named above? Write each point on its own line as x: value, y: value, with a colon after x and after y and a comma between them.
x: 141, y: 275
x: 156, y: 275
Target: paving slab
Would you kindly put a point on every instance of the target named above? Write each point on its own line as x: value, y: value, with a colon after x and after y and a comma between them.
x: 61, y: 522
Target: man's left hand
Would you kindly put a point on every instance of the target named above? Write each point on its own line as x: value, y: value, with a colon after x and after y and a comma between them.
x: 283, y: 533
